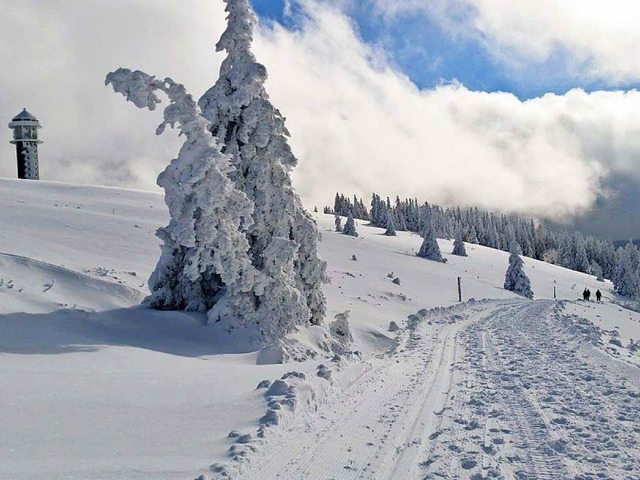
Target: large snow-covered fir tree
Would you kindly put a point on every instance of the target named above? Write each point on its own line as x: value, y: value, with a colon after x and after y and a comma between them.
x: 338, y: 222
x: 516, y: 279
x: 350, y: 227
x: 458, y: 244
x: 239, y: 245
x: 204, y: 248
x: 253, y: 134
x: 429, y: 248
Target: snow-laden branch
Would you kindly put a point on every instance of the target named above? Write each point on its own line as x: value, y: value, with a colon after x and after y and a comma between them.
x: 205, y: 250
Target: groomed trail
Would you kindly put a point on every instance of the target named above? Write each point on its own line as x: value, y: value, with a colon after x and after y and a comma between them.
x: 491, y: 389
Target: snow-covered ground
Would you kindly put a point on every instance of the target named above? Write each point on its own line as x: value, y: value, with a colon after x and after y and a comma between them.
x: 94, y: 387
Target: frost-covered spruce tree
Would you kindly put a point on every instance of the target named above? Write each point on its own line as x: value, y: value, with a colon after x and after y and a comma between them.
x: 566, y: 251
x: 204, y: 257
x: 516, y: 279
x: 429, y: 248
x: 625, y: 278
x: 253, y: 133
x: 391, y: 227
x: 596, y: 270
x: 338, y: 222
x: 581, y: 261
x: 472, y: 236
x: 458, y: 244
x: 350, y: 227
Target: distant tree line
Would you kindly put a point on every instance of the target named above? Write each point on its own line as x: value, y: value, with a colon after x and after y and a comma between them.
x: 572, y: 250
x: 343, y: 206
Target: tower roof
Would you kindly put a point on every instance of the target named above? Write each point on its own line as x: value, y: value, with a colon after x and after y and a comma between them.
x: 24, y: 115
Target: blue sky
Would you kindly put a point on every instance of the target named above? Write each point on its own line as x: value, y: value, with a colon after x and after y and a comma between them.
x: 420, y: 47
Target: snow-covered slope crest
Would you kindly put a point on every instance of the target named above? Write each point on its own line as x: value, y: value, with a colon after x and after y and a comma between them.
x: 32, y: 286
x: 96, y: 387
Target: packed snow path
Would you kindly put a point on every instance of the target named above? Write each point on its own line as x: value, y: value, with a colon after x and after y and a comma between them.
x: 496, y: 389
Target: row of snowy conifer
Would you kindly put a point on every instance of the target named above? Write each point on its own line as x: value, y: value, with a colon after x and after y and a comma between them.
x: 516, y: 279
x: 538, y: 240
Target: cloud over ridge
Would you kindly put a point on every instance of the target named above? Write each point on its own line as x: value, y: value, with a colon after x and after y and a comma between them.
x: 357, y: 123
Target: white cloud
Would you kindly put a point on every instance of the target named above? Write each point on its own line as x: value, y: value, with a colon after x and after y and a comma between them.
x: 54, y: 58
x: 364, y: 126
x: 602, y: 39
x: 357, y: 124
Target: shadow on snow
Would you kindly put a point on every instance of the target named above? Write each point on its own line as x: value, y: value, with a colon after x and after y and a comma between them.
x: 71, y: 330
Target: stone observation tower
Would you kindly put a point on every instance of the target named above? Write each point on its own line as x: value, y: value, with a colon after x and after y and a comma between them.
x: 25, y: 137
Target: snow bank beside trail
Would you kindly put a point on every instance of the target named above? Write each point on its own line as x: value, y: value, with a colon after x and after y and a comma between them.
x: 31, y: 286
x: 613, y: 328
x: 291, y: 401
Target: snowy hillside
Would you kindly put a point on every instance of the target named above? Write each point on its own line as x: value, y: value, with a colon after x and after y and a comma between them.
x: 499, y: 387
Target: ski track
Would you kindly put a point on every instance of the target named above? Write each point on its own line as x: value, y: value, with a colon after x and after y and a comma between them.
x: 500, y: 391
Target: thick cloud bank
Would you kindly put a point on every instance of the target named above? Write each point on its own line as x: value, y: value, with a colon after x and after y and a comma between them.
x: 357, y: 124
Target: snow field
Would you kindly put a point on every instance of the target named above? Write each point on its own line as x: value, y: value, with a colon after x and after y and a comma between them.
x: 96, y: 388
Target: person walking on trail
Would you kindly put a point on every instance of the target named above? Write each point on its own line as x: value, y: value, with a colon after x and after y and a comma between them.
x: 598, y: 295
x: 584, y: 294
x: 588, y: 295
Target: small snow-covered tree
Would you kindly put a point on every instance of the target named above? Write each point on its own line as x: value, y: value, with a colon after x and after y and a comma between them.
x: 375, y: 210
x: 625, y: 279
x: 253, y: 133
x: 338, y: 222
x: 458, y: 244
x: 566, y: 251
x: 516, y: 279
x: 580, y: 259
x: 429, y: 248
x: 350, y: 227
x: 391, y: 227
x: 472, y: 236
x: 596, y: 270
x: 400, y: 211
x: 493, y: 238
x: 204, y: 248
